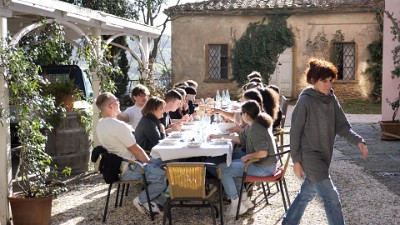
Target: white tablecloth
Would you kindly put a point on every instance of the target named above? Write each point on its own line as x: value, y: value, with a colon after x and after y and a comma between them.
x: 180, y: 151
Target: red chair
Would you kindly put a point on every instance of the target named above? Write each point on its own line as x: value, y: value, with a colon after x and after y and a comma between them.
x: 278, y: 177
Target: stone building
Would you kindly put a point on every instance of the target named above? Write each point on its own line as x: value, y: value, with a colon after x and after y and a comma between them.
x: 202, y: 39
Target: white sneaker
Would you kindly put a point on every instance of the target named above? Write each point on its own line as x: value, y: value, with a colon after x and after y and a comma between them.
x: 232, y: 208
x: 248, y: 203
x: 142, y: 207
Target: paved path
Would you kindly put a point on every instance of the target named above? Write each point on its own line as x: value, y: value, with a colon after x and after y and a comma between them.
x: 383, y: 162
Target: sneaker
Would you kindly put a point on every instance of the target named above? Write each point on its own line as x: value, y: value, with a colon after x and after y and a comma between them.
x: 144, y: 207
x: 248, y: 203
x: 232, y: 208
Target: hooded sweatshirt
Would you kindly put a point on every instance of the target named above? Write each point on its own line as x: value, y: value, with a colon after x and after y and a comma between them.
x: 316, y: 120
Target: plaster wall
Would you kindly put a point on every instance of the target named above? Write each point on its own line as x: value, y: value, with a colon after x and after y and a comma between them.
x: 191, y: 34
x: 389, y: 86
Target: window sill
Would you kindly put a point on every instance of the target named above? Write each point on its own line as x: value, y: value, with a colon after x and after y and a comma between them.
x: 346, y: 81
x: 209, y: 80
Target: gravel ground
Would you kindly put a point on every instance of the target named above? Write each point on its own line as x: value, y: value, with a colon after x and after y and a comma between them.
x: 364, y: 200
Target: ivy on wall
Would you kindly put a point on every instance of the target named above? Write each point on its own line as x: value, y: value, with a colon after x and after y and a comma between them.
x: 374, y: 69
x: 259, y: 48
x: 322, y: 47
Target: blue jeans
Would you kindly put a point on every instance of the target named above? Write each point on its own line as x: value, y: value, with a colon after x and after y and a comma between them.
x: 231, y: 176
x: 155, y: 177
x: 329, y: 195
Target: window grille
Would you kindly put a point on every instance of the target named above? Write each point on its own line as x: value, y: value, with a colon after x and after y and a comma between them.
x: 218, y: 61
x: 344, y: 59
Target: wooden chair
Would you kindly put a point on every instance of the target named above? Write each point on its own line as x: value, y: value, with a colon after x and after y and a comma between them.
x: 277, y: 178
x: 126, y: 183
x: 187, y: 183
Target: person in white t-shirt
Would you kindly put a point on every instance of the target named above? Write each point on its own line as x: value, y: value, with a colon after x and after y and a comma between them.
x: 116, y: 136
x: 133, y: 114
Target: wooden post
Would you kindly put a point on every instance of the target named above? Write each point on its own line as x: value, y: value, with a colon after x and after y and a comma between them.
x: 5, y: 148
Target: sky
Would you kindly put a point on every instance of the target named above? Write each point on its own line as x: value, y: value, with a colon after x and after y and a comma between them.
x: 161, y: 18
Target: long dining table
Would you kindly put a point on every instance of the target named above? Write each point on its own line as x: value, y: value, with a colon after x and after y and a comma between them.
x: 192, y: 141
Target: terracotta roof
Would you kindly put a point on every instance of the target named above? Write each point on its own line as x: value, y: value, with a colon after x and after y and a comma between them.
x: 254, y: 5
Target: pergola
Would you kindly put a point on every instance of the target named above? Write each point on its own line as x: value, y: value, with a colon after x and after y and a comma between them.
x: 19, y: 17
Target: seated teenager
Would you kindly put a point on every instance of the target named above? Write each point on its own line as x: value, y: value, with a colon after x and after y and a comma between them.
x: 183, y: 110
x: 172, y: 103
x: 150, y: 130
x: 260, y: 143
x: 190, y: 98
x: 117, y: 138
x: 270, y: 103
x: 133, y: 114
x: 278, y: 120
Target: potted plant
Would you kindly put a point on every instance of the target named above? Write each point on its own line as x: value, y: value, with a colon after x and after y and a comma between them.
x: 64, y: 91
x: 391, y: 129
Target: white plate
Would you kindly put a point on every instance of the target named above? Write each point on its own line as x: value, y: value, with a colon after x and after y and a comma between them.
x: 175, y: 135
x: 194, y: 144
x: 190, y: 123
x: 168, y: 142
x: 220, y: 141
x: 186, y: 127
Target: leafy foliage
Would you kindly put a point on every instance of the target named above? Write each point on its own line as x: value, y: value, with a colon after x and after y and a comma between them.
x: 374, y: 69
x: 100, y: 64
x: 21, y: 73
x: 47, y: 46
x: 259, y: 48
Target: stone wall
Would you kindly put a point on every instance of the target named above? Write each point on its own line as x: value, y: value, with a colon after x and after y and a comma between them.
x: 192, y: 33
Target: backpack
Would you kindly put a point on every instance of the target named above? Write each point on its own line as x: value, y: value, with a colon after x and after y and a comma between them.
x: 109, y: 164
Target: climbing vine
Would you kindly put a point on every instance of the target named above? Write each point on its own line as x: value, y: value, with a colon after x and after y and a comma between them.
x: 374, y: 69
x: 259, y: 48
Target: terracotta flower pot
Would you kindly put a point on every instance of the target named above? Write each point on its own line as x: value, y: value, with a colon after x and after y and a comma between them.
x: 33, y: 211
x: 390, y: 130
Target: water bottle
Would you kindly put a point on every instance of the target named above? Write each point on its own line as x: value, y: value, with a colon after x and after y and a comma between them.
x: 228, y: 97
x: 223, y: 97
x: 217, y: 96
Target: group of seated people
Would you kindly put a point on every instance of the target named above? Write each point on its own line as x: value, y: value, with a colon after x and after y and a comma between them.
x: 153, y: 118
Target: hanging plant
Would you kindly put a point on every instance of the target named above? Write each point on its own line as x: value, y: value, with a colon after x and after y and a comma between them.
x: 259, y: 48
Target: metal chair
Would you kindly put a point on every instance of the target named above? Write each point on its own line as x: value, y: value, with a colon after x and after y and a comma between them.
x: 278, y: 177
x: 187, y: 183
x: 125, y: 183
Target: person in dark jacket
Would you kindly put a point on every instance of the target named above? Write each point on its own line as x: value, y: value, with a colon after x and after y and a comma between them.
x: 150, y: 130
x: 316, y: 119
